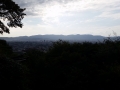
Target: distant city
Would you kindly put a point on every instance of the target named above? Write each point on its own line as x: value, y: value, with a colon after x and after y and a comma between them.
x: 24, y: 45
x: 43, y: 42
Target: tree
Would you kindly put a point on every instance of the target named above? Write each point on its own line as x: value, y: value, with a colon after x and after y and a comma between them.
x: 5, y: 49
x: 12, y: 12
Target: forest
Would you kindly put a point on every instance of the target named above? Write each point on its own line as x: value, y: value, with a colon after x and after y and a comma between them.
x: 65, y: 65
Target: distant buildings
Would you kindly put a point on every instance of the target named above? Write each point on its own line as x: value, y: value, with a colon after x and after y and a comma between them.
x: 21, y: 46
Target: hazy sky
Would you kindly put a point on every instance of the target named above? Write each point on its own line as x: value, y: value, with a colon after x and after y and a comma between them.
x: 96, y: 17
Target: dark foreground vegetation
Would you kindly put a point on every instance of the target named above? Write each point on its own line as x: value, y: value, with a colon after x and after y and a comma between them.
x: 78, y: 65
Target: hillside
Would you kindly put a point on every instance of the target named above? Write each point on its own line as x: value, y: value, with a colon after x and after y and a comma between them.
x: 55, y: 37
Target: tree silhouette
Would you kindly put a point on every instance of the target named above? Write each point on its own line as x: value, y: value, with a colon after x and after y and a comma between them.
x: 12, y: 12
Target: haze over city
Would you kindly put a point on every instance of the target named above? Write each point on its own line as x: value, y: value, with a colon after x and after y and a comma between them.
x: 95, y: 17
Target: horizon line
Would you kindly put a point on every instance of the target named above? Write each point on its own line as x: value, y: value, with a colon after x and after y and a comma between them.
x: 57, y: 34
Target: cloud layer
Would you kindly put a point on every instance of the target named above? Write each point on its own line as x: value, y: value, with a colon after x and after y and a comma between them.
x: 39, y: 6
x: 99, y: 17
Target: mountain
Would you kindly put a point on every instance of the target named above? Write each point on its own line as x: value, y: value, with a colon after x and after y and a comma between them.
x: 55, y: 37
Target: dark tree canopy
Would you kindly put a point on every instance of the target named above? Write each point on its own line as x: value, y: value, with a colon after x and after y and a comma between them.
x: 12, y: 12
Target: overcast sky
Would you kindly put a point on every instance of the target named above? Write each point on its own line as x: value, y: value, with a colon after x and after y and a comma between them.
x: 96, y: 17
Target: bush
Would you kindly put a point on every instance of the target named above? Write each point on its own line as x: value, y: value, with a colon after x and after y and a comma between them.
x: 12, y: 75
x: 5, y: 49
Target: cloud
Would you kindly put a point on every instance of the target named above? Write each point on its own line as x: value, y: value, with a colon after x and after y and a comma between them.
x: 110, y: 15
x: 70, y: 16
x: 33, y: 6
x: 39, y: 7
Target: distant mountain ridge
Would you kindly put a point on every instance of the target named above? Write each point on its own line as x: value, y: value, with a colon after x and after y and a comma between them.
x: 77, y: 37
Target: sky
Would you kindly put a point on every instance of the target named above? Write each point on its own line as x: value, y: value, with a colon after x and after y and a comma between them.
x: 64, y: 17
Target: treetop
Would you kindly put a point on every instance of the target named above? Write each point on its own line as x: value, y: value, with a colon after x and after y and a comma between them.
x: 12, y: 12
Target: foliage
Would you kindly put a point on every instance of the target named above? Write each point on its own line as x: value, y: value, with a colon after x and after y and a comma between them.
x: 78, y: 65
x: 12, y: 12
x: 5, y: 49
x: 12, y: 73
x: 70, y: 65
